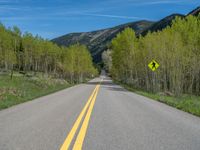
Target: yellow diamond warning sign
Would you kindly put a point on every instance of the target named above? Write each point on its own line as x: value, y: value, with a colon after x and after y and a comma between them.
x: 153, y: 65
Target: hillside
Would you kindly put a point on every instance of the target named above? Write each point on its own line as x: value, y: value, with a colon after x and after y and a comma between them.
x: 195, y: 12
x: 98, y: 41
x: 157, y: 26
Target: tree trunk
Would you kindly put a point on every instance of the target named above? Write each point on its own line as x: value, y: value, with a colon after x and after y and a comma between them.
x: 11, y: 75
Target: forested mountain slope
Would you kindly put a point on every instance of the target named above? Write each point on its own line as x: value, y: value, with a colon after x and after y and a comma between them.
x: 195, y: 12
x: 98, y: 41
x: 160, y: 25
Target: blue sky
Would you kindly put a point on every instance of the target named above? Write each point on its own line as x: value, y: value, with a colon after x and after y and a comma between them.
x: 52, y: 18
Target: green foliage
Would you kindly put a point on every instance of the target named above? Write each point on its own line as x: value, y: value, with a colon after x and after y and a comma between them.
x: 78, y: 63
x: 25, y: 53
x: 176, y: 49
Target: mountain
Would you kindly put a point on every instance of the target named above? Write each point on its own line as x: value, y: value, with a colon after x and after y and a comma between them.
x: 98, y: 41
x: 195, y: 12
x: 160, y: 25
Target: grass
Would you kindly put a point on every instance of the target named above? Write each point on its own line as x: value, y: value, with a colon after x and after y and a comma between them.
x: 21, y: 89
x: 187, y: 103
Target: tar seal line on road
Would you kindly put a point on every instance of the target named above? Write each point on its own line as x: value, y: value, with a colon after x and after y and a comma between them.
x: 80, y: 138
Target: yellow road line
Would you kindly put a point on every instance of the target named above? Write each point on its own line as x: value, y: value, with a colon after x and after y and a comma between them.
x: 71, y: 134
x: 80, y: 138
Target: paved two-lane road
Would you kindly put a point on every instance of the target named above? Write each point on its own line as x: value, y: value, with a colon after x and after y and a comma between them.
x: 119, y: 120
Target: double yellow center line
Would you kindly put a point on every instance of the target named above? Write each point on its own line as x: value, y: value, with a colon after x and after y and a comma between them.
x: 81, y: 135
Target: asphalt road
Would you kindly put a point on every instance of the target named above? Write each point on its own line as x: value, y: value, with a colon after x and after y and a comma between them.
x: 114, y: 119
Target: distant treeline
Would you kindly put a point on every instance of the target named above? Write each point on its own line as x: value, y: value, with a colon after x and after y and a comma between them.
x: 176, y: 49
x: 25, y: 53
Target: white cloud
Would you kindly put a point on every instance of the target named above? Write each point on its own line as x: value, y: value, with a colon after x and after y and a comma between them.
x: 112, y: 16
